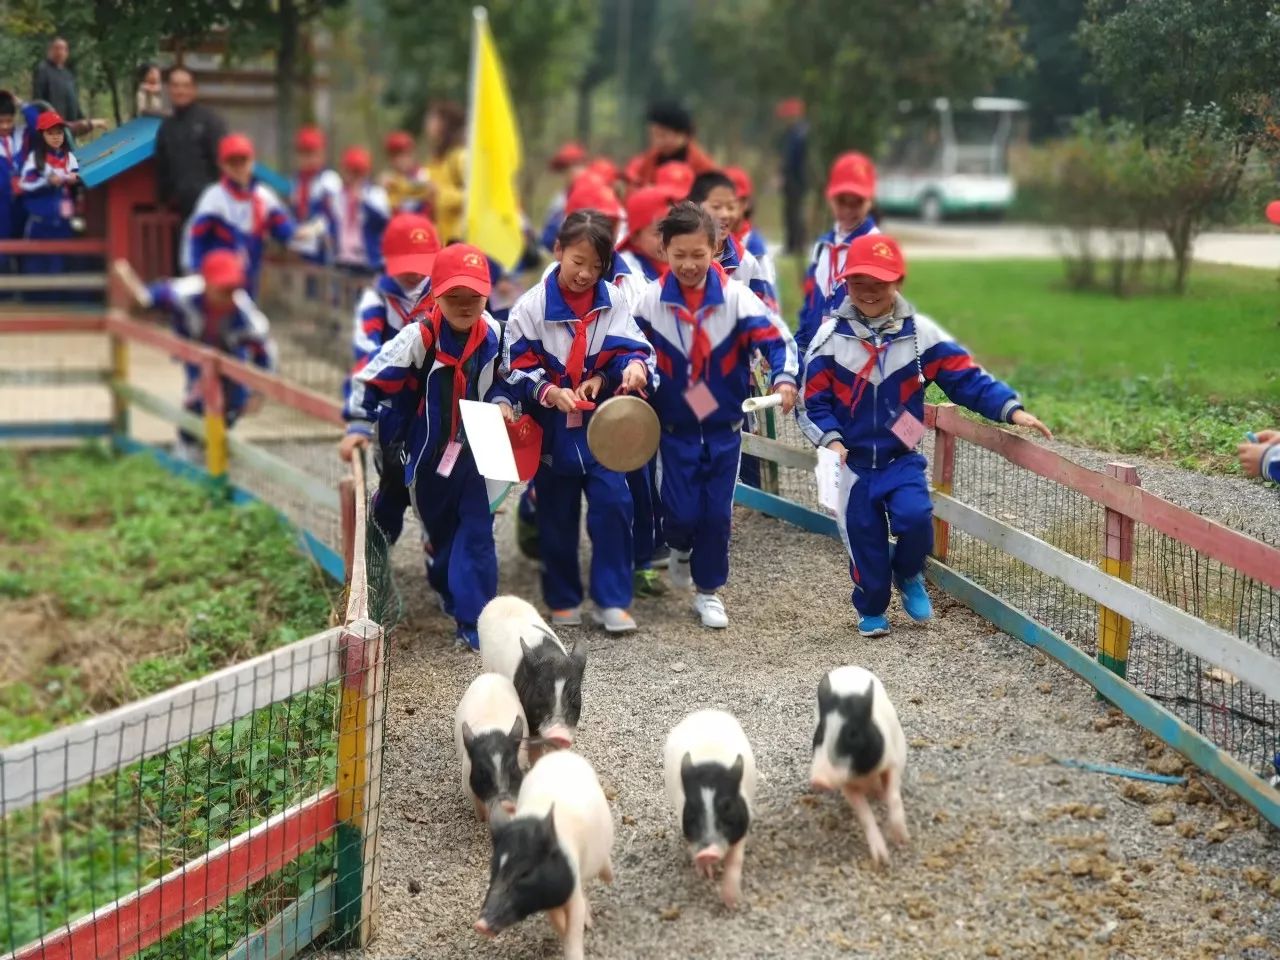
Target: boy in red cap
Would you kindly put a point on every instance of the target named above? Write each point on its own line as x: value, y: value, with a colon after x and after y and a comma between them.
x: 750, y: 238
x: 399, y: 296
x: 237, y: 213
x: 406, y: 181
x: 213, y: 308
x: 864, y: 381
x: 641, y: 248
x: 851, y: 189
x: 357, y: 214
x: 312, y: 180
x: 410, y: 392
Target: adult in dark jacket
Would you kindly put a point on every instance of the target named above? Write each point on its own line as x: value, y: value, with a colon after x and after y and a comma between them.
x: 187, y: 145
x: 795, y: 172
x: 55, y: 84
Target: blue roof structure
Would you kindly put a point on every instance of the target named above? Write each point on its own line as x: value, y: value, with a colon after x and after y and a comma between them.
x: 127, y: 146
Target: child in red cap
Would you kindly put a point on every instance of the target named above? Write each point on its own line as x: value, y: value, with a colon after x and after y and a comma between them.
x: 641, y: 248
x: 864, y: 381
x: 213, y: 308
x: 312, y: 183
x: 409, y: 392
x: 743, y: 229
x: 408, y: 185
x: 48, y: 183
x: 238, y: 213
x: 357, y: 214
x: 569, y: 161
x: 715, y: 193
x: 401, y: 295
x: 851, y: 189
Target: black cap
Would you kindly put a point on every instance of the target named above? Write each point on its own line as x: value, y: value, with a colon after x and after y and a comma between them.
x: 673, y: 116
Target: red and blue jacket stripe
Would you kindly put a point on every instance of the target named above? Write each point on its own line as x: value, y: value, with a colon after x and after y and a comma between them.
x: 386, y: 391
x: 539, y: 336
x: 858, y: 380
x: 821, y: 295
x: 736, y: 325
x: 383, y: 310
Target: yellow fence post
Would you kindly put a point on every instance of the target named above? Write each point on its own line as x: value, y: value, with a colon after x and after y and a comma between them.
x: 1117, y: 560
x: 119, y: 378
x: 215, y: 421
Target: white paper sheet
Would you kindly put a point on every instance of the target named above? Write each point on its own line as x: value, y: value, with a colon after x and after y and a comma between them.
x: 828, y: 472
x: 487, y: 437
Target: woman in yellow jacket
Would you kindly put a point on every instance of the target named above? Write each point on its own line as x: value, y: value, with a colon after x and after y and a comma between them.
x: 446, y: 130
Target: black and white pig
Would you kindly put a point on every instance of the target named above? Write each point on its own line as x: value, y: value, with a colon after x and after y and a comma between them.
x: 711, y: 782
x: 860, y: 749
x: 488, y: 730
x: 517, y: 643
x: 560, y: 837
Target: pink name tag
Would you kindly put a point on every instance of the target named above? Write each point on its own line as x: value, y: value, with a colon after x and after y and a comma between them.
x: 452, y: 450
x: 573, y: 419
x: 908, y: 429
x: 701, y: 400
x: 66, y: 209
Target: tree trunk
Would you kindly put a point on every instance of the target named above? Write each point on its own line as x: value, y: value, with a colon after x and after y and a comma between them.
x: 109, y: 72
x: 286, y: 74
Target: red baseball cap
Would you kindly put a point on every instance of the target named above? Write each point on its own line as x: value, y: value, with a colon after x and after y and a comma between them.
x: 410, y: 244
x: 632, y: 170
x: 790, y: 108
x: 398, y: 141
x: 49, y: 119
x: 604, y: 168
x: 742, y: 184
x: 874, y: 255
x: 526, y: 444
x: 589, y: 192
x: 309, y: 138
x: 645, y: 206
x: 357, y: 160
x: 1273, y: 212
x: 854, y: 173
x: 568, y: 154
x: 234, y: 145
x: 676, y: 177
x: 460, y: 265
x: 222, y: 268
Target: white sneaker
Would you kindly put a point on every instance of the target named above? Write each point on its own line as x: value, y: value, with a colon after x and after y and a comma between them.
x: 711, y: 609
x: 614, y: 620
x: 570, y: 617
x: 678, y: 569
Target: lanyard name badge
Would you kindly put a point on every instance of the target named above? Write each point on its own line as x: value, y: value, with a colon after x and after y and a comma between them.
x: 906, y: 426
x: 698, y: 395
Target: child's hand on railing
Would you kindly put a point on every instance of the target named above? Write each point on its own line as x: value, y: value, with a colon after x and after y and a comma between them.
x: 1021, y: 418
x: 350, y: 444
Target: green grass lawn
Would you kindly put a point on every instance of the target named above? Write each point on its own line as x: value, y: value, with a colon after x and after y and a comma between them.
x: 1178, y: 378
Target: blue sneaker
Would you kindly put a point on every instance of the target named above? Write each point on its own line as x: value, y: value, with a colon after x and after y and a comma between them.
x: 915, y: 598
x: 873, y: 626
x: 467, y: 637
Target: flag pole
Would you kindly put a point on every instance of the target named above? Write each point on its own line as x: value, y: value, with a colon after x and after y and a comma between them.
x: 479, y: 17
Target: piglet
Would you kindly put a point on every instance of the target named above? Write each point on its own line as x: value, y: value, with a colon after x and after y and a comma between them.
x: 859, y: 747
x: 488, y: 730
x: 711, y: 782
x: 517, y: 643
x: 560, y: 837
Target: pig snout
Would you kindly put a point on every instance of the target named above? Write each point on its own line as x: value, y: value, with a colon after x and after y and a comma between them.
x: 558, y: 736
x: 708, y: 856
x: 482, y: 928
x: 509, y: 806
x: 821, y: 775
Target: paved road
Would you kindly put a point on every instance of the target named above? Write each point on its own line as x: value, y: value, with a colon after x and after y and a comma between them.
x: 1035, y: 242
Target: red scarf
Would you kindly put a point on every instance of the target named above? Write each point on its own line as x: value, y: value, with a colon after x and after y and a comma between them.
x: 700, y: 347
x: 417, y: 312
x: 864, y: 375
x: 305, y: 178
x: 433, y: 322
x: 580, y: 304
x: 259, y: 221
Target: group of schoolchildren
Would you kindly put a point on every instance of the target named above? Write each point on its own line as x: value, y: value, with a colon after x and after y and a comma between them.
x: 667, y: 293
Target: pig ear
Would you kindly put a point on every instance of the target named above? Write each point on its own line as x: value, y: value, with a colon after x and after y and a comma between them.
x: 824, y: 691
x: 517, y: 729
x: 550, y: 818
x: 736, y: 771
x: 579, y: 660
x: 524, y: 649
x: 468, y: 735
x: 686, y: 764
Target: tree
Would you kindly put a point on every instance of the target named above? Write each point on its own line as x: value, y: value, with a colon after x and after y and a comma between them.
x: 1055, y: 85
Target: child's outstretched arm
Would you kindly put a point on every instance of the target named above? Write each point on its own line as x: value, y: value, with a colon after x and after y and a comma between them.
x: 949, y: 365
x: 393, y: 368
x: 817, y: 415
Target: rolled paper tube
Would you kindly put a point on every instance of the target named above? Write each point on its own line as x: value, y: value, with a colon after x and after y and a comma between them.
x: 752, y: 404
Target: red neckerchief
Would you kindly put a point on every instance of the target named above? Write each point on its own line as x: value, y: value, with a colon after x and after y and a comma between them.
x: 576, y: 364
x: 417, y: 312
x: 700, y: 344
x: 864, y: 375
x: 433, y: 322
x: 249, y: 194
x: 743, y: 231
x: 304, y: 191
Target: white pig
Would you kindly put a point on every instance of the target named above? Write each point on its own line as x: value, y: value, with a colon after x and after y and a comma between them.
x: 517, y: 643
x: 488, y: 730
x: 711, y: 782
x: 859, y: 747
x: 560, y: 837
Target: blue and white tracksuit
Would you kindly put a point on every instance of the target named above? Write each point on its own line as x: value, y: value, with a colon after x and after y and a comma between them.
x: 306, y: 200
x: 822, y: 294
x: 756, y: 245
x: 415, y: 416
x: 536, y: 348
x: 1271, y: 463
x: 11, y: 161
x: 244, y: 333
x: 371, y: 210
x: 860, y: 375
x: 230, y: 217
x: 741, y: 265
x: 554, y: 221
x: 49, y: 209
x: 698, y: 459
x: 383, y: 310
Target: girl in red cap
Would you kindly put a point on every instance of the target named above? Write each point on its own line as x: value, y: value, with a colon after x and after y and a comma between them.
x: 357, y: 214
x: 408, y: 185
x: 750, y: 238
x: 569, y: 345
x: 238, y: 213
x: 715, y: 193
x: 641, y: 248
x: 569, y: 161
x: 410, y: 391
x: 864, y: 381
x: 212, y: 308
x: 312, y: 183
x: 48, y: 183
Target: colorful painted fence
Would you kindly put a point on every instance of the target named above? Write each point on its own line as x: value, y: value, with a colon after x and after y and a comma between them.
x: 236, y: 815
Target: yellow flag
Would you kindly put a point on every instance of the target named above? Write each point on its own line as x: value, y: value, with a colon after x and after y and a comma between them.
x: 493, y: 221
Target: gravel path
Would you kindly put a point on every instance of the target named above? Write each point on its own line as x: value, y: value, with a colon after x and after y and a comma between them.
x: 1012, y: 855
